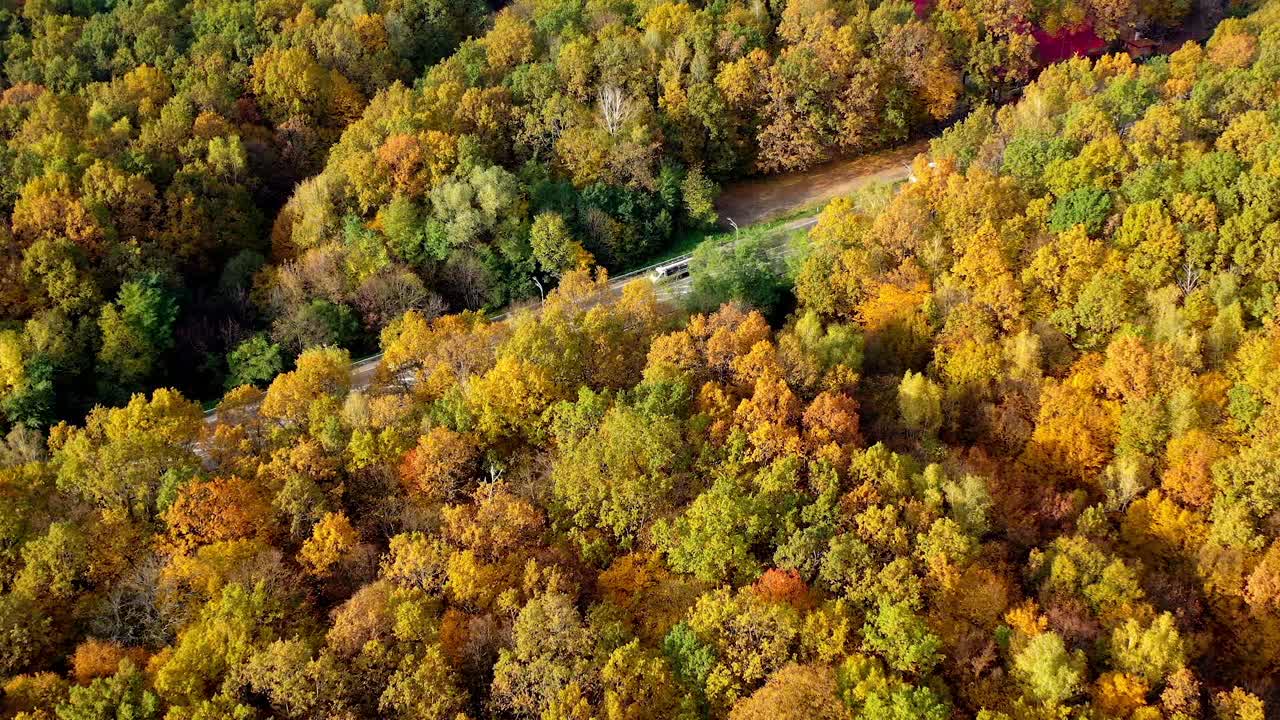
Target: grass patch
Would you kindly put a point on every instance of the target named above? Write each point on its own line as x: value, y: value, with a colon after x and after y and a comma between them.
x: 689, y: 240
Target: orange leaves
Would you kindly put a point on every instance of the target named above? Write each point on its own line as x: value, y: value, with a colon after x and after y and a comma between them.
x: 442, y: 466
x: 1075, y: 430
x: 332, y: 540
x: 783, y: 586
x: 709, y: 346
x: 1187, y: 476
x: 832, y: 417
x: 1233, y: 45
x: 216, y: 510
x: 1262, y: 589
x: 96, y: 658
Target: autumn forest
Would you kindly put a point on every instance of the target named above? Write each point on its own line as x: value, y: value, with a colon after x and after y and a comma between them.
x: 998, y: 441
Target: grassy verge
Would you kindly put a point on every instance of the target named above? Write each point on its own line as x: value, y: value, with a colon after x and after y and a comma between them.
x: 689, y: 240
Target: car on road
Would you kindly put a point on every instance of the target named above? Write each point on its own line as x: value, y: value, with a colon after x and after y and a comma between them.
x: 674, y: 269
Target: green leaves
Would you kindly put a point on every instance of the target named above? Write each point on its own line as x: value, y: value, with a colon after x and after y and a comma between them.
x: 902, y: 637
x: 1085, y: 206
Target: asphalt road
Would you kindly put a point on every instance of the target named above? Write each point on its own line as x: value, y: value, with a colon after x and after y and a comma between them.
x: 800, y: 190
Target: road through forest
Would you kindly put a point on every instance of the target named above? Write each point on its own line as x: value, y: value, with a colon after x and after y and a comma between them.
x: 746, y: 203
x: 752, y: 201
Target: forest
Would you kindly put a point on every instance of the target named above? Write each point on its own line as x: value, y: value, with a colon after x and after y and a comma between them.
x: 1001, y: 442
x: 198, y: 191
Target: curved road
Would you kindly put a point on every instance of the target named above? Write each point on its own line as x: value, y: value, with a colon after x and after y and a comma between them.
x: 743, y: 204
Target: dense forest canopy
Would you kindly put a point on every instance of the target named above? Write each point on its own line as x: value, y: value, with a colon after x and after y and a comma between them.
x: 1012, y: 456
x: 198, y: 191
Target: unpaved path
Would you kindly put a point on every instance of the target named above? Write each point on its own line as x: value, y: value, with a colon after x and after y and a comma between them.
x: 752, y: 201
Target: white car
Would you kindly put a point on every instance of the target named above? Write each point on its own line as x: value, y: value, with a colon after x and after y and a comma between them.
x: 674, y: 269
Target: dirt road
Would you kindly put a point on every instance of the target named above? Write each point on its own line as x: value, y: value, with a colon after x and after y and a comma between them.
x: 752, y: 201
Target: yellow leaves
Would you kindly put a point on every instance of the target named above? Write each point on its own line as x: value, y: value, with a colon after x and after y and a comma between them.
x: 509, y: 43
x: 1262, y: 589
x: 981, y: 594
x: 586, y: 334
x: 741, y: 81
x: 442, y: 352
x: 371, y: 31
x: 1102, y: 163
x: 888, y: 304
x: 762, y: 361
x: 332, y: 540
x: 665, y: 21
x: 495, y: 524
x: 718, y: 405
x: 484, y: 112
x: 48, y: 208
x: 290, y: 82
x: 508, y: 401
x: 320, y: 372
x: 1129, y: 371
x: 983, y: 271
x: 672, y: 355
x: 1233, y: 44
x: 1075, y: 430
x: 12, y: 359
x: 1060, y: 268
x: 148, y: 88
x: 1158, y: 135
x: 942, y: 87
x: 969, y: 365
x: 770, y: 418
x: 840, y: 225
x: 206, y: 571
x: 1117, y: 694
x: 674, y: 100
x: 1247, y: 136
x: 1026, y: 619
x: 167, y: 417
x: 1161, y: 525
x: 1183, y: 69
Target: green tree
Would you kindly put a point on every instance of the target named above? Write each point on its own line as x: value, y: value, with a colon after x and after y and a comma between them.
x: 920, y: 402
x: 123, y: 695
x: 1051, y: 674
x: 903, y: 638
x: 621, y: 475
x: 742, y: 269
x: 1151, y: 652
x: 255, y: 361
x: 136, y: 330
